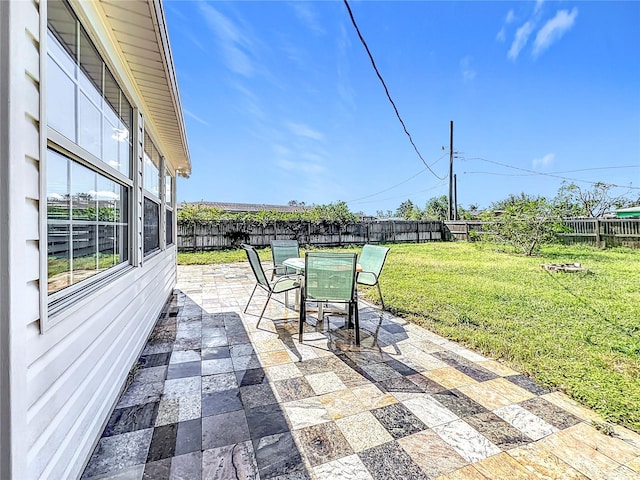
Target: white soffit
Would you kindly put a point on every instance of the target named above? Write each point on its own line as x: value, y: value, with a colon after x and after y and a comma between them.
x: 140, y: 30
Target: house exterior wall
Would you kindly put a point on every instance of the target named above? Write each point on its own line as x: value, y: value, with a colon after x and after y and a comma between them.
x: 58, y: 385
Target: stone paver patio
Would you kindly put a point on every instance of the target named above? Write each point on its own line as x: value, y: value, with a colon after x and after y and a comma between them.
x: 214, y: 397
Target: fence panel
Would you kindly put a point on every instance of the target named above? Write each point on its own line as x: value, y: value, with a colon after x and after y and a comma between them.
x: 230, y: 233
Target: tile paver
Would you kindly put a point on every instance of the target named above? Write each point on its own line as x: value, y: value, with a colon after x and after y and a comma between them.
x: 216, y: 396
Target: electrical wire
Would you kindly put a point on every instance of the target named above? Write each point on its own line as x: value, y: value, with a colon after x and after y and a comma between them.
x: 550, y: 174
x: 373, y: 63
x: 555, y: 173
x: 397, y: 184
x: 440, y: 184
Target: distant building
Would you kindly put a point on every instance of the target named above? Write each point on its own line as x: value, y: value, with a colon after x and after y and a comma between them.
x: 631, y: 212
x: 249, y: 207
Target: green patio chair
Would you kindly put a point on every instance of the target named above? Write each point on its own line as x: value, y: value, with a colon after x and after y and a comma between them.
x: 372, y: 258
x: 280, y: 251
x: 284, y: 283
x: 330, y: 278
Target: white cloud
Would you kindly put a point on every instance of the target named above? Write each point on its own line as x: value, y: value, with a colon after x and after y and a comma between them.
x: 307, y: 15
x: 302, y: 130
x: 235, y: 45
x: 544, y: 161
x: 501, y: 36
x: 538, y: 6
x: 520, y: 40
x: 309, y: 168
x: 468, y: 73
x: 196, y: 118
x: 553, y: 30
x: 510, y: 18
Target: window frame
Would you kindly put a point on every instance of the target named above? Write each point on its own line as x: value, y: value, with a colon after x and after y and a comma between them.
x: 52, y: 304
x: 151, y: 196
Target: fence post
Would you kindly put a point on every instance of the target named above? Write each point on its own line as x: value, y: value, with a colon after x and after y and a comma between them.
x: 598, y: 235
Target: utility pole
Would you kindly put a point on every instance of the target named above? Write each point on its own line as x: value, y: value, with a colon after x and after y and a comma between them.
x: 450, y: 215
x: 455, y: 197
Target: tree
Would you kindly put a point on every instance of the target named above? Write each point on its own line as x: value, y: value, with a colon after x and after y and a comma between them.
x: 405, y: 209
x: 596, y: 201
x: 525, y: 223
x: 437, y: 208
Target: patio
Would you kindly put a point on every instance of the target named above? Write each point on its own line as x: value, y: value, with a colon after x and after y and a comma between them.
x: 214, y: 397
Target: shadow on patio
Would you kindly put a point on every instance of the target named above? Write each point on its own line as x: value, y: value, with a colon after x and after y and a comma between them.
x: 214, y: 397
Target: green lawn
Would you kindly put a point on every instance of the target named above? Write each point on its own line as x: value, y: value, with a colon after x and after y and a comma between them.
x: 577, y: 332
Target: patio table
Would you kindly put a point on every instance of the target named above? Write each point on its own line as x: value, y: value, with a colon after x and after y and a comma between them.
x: 297, y: 263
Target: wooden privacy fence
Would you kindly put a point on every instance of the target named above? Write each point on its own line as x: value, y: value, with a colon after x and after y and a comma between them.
x: 602, y: 232
x: 230, y: 233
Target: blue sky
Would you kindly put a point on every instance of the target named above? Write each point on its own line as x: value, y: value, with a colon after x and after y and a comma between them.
x: 281, y: 101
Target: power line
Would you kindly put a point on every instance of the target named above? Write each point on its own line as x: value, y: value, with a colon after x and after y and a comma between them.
x: 373, y: 63
x: 440, y: 184
x: 555, y: 173
x: 550, y: 174
x: 397, y: 184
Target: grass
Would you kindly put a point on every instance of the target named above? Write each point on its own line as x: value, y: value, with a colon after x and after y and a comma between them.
x: 576, y: 332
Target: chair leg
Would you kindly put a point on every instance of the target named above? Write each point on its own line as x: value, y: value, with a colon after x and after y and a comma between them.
x: 380, y: 293
x: 254, y: 291
x: 303, y: 315
x: 264, y: 308
x: 357, y: 322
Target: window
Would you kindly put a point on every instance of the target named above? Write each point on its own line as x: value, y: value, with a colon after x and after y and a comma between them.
x: 151, y: 185
x: 168, y: 199
x: 86, y: 218
x: 84, y: 102
x: 151, y: 226
x: 88, y: 158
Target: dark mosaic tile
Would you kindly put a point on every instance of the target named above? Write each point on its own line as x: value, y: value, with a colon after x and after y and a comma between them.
x: 182, y: 370
x: 390, y: 462
x: 129, y: 419
x: 154, y: 360
x: 187, y: 467
x: 323, y: 443
x: 295, y: 388
x: 214, y: 353
x: 242, y: 350
x: 209, y: 321
x: 189, y: 436
x: 256, y: 395
x: 163, y: 442
x: 380, y: 371
x: 550, y: 413
x: 398, y: 420
x: 253, y: 376
x: 238, y: 339
x: 159, y: 470
x: 499, y: 432
x: 527, y: 384
x: 452, y: 359
x: 477, y: 373
x: 426, y: 384
x: 459, y: 403
x: 401, y: 368
x: 266, y: 420
x: 393, y: 328
x: 401, y: 384
x: 224, y: 429
x: 277, y: 456
x: 223, y: 401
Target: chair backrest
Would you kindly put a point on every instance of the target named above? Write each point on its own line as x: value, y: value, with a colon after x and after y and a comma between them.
x: 330, y: 276
x: 256, y: 266
x: 280, y: 251
x: 372, y: 258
